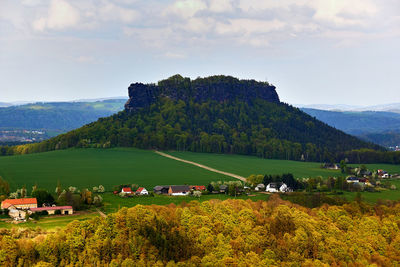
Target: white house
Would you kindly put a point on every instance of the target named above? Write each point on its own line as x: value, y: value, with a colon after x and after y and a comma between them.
x: 259, y: 187
x: 277, y: 187
x: 126, y: 190
x: 142, y: 191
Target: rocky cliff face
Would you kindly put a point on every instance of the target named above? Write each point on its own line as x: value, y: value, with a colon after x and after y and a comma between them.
x: 218, y: 88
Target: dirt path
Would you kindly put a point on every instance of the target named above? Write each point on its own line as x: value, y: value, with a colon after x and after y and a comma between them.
x: 202, y: 166
x: 101, y: 213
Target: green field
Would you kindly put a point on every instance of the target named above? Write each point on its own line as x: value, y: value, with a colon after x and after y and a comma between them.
x: 85, y: 168
x: 90, y: 167
x: 51, y: 223
x: 246, y: 165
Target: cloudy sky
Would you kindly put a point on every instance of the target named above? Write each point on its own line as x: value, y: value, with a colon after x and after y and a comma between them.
x: 314, y: 51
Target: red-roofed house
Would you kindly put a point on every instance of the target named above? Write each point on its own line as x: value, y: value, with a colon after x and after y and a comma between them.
x: 198, y: 187
x: 126, y: 190
x: 19, y: 203
x: 142, y: 191
x: 52, y: 210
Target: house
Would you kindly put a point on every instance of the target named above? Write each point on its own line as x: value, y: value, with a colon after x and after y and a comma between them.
x: 330, y: 166
x: 198, y: 187
x: 17, y: 214
x: 277, y: 187
x: 259, y: 187
x: 161, y: 189
x: 19, y: 203
x: 141, y: 191
x: 223, y: 188
x: 178, y: 190
x: 364, y: 181
x: 67, y: 210
x: 126, y: 190
x: 352, y: 180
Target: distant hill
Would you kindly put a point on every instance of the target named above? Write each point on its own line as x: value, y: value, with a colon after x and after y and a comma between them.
x: 219, y: 114
x: 393, y: 107
x: 40, y: 121
x: 358, y: 122
x: 382, y: 128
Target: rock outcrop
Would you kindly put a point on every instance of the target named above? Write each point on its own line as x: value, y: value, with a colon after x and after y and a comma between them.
x: 217, y: 88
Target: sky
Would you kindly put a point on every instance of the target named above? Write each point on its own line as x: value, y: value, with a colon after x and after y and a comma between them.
x: 313, y: 51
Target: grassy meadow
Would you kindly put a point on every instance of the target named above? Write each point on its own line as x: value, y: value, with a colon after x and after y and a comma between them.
x: 85, y: 168
x: 246, y: 165
x: 51, y: 223
x: 90, y: 167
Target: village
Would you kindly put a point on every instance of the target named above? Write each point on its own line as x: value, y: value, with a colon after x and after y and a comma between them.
x: 20, y: 207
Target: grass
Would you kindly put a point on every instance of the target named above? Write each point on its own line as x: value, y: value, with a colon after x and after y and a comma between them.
x: 85, y: 168
x: 247, y: 165
x: 373, y: 197
x: 113, y: 202
x: 51, y: 223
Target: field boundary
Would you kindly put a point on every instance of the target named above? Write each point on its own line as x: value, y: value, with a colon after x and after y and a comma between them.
x: 201, y: 166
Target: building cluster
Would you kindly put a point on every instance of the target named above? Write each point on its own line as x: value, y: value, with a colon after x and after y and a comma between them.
x: 177, y: 190
x: 18, y: 209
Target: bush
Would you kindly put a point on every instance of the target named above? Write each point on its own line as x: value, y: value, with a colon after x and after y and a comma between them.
x: 57, y: 212
x: 44, y: 213
x: 35, y: 216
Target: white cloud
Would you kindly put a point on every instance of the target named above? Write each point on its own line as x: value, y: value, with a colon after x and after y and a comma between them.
x: 220, y: 6
x: 185, y: 8
x: 61, y: 15
x: 174, y: 55
x: 249, y: 26
x: 111, y: 12
x: 344, y: 12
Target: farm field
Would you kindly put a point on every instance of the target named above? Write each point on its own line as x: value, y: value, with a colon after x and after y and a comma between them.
x: 85, y: 168
x: 113, y: 202
x: 51, y: 223
x: 247, y: 165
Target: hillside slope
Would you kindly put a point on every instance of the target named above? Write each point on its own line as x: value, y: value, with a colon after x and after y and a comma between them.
x: 59, y: 116
x: 358, y: 122
x: 219, y: 114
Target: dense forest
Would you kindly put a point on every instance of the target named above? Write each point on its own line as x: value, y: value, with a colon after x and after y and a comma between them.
x: 243, y: 123
x: 217, y: 233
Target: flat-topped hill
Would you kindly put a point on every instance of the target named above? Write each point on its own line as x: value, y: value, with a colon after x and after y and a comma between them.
x: 218, y: 88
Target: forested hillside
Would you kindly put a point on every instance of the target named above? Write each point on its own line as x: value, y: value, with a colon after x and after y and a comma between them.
x: 215, y: 233
x: 358, y: 122
x: 57, y: 116
x: 234, y: 118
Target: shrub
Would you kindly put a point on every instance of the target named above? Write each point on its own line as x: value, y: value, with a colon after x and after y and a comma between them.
x: 57, y: 212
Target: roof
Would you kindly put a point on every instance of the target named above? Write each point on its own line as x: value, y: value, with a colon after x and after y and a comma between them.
x: 51, y: 208
x: 140, y: 189
x: 18, y: 201
x: 159, y: 187
x: 179, y: 188
x: 126, y: 189
x: 198, y: 187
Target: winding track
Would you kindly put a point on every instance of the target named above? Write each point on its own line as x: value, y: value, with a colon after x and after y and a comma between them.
x: 201, y: 166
